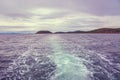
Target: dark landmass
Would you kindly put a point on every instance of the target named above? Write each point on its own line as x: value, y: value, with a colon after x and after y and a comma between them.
x: 44, y: 32
x: 106, y: 30
x: 101, y: 30
x: 70, y: 32
x: 60, y: 32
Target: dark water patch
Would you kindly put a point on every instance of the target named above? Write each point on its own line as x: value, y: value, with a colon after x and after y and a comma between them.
x: 30, y: 68
x: 100, y: 76
x: 114, y: 57
x: 103, y: 68
x: 117, y: 76
x: 2, y: 68
x: 6, y: 61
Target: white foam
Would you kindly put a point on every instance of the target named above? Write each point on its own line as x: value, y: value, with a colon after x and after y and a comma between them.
x: 69, y: 66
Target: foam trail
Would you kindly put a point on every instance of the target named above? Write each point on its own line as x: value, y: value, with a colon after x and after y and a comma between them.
x: 69, y: 67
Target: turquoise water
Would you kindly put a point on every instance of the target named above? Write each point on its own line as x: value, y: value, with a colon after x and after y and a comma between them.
x: 69, y: 67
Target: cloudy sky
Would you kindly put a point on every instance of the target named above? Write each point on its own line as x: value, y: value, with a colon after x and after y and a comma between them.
x: 58, y: 15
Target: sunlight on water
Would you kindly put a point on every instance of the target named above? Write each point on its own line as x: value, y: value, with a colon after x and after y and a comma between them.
x: 69, y: 67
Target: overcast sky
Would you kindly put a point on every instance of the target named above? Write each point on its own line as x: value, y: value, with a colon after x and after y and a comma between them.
x: 58, y: 15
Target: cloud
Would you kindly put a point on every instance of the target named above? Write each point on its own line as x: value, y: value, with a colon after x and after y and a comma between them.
x: 58, y: 15
x: 101, y: 7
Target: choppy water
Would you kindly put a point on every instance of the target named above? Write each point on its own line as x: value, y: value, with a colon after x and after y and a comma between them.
x: 69, y: 67
x: 60, y: 57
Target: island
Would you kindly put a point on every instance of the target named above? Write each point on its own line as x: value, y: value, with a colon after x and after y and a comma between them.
x: 43, y: 32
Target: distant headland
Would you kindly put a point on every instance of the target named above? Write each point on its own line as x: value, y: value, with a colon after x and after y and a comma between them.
x: 101, y: 30
x: 44, y: 32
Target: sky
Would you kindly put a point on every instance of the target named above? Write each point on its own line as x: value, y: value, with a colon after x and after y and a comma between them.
x: 58, y: 15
